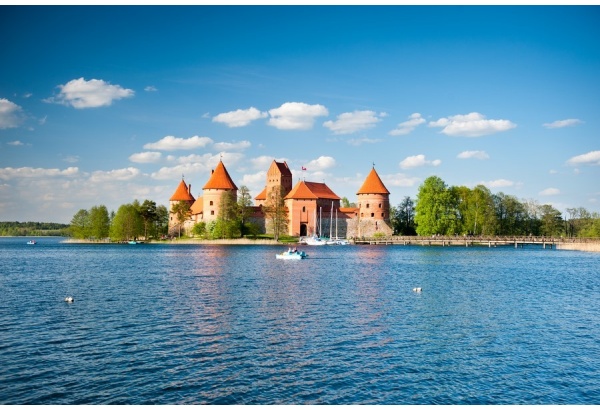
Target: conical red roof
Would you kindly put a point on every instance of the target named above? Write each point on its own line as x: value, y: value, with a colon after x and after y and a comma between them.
x: 220, y: 179
x: 182, y: 193
x: 373, y: 185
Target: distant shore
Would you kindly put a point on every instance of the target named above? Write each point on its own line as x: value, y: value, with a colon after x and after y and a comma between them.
x: 585, y: 247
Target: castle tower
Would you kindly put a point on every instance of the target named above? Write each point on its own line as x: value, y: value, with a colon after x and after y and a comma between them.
x: 218, y: 183
x: 182, y: 193
x: 278, y: 175
x: 373, y: 206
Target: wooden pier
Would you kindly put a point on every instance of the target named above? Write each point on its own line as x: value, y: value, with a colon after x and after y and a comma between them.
x: 467, y: 241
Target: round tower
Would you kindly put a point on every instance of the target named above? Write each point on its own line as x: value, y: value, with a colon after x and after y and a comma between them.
x: 373, y: 206
x: 218, y: 183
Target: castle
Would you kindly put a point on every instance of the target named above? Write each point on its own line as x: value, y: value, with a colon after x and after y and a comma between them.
x: 312, y: 207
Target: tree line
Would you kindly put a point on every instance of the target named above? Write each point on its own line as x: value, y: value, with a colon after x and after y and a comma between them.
x: 440, y: 209
x: 33, y: 229
x: 131, y: 221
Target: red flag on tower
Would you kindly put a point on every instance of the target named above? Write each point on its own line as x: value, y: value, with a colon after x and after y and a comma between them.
x: 303, y: 169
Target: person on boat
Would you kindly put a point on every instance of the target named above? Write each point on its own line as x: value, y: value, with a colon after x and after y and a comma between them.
x: 295, y: 250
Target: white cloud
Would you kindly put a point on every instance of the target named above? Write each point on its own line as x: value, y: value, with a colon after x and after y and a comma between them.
x: 320, y: 164
x: 123, y: 174
x: 71, y: 159
x: 351, y: 122
x: 239, y: 118
x: 498, y: 183
x: 16, y: 143
x: 471, y: 125
x: 145, y: 157
x: 418, y: 161
x: 550, y: 192
x: 150, y: 88
x: 400, y: 180
x: 231, y: 146
x: 473, y: 154
x: 296, y: 116
x: 406, y: 127
x: 10, y: 114
x: 563, y: 123
x: 171, y: 143
x: 80, y: 93
x: 264, y: 162
x: 591, y: 158
x: 356, y: 142
x: 28, y: 172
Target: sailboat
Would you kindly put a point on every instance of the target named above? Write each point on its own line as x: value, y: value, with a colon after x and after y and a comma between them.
x: 336, y: 240
x: 315, y: 240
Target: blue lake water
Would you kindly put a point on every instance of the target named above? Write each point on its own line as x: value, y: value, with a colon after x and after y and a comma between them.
x: 190, y: 324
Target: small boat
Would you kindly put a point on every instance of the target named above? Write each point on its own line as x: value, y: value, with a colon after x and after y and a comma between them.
x: 336, y: 241
x: 315, y: 240
x: 133, y: 242
x: 292, y: 255
x: 31, y: 242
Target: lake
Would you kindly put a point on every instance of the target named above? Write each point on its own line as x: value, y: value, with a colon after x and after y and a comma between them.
x: 202, y: 324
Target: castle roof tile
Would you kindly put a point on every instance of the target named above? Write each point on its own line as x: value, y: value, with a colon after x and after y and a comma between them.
x: 311, y: 190
x: 220, y: 179
x: 373, y: 185
x: 182, y: 193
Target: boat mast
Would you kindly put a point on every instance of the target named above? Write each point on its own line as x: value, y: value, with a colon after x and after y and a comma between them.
x: 320, y: 221
x: 331, y: 220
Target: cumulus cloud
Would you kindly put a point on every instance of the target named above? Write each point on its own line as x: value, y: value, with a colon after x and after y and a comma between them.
x: 356, y: 142
x: 10, y: 114
x: 80, y: 93
x: 563, y: 123
x: 471, y: 125
x: 150, y: 88
x: 171, y: 143
x: 239, y: 118
x: 351, y: 122
x: 29, y: 172
x: 418, y: 161
x: 473, y: 154
x: 406, y: 127
x: 296, y: 116
x: 498, y: 183
x: 123, y: 174
x: 148, y: 157
x: 591, y: 158
x: 264, y: 162
x: 400, y: 180
x: 550, y: 192
x: 320, y: 164
x: 231, y: 146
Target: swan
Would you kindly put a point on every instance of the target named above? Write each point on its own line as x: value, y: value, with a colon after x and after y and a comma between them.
x: 69, y: 299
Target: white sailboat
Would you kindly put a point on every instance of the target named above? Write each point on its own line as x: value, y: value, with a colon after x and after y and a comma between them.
x: 335, y: 240
x: 315, y: 240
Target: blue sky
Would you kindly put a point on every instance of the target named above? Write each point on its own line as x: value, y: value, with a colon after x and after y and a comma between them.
x: 103, y: 105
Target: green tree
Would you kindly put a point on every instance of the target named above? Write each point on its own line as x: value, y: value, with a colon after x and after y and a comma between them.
x: 435, y: 212
x: 345, y: 203
x: 127, y: 223
x: 80, y: 224
x: 99, y: 222
x: 182, y: 212
x: 403, y: 218
x: 199, y: 229
x: 551, y: 221
x: 228, y: 221
x: 161, y: 224
x: 148, y: 213
x: 244, y: 208
x: 276, y: 212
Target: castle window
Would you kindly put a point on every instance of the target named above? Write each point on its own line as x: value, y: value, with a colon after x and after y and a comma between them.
x: 380, y: 205
x: 372, y: 215
x: 367, y: 205
x: 303, y: 209
x: 212, y: 212
x: 382, y: 215
x: 211, y: 202
x: 361, y: 214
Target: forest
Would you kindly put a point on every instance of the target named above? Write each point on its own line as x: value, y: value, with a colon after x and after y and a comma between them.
x: 440, y: 209
x: 33, y: 229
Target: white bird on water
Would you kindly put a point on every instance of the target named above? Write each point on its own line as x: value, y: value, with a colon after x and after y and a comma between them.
x: 69, y: 299
x: 418, y: 290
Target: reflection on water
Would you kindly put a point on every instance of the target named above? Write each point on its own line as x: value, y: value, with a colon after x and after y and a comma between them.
x: 162, y: 324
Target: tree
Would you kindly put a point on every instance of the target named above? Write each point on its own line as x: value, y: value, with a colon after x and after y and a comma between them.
x: 182, y: 211
x: 244, y: 207
x: 228, y: 221
x: 80, y: 224
x: 403, y: 219
x: 551, y: 221
x: 148, y: 213
x: 276, y: 212
x: 127, y: 223
x: 434, y: 210
x: 99, y: 222
x: 347, y: 204
x: 161, y: 223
